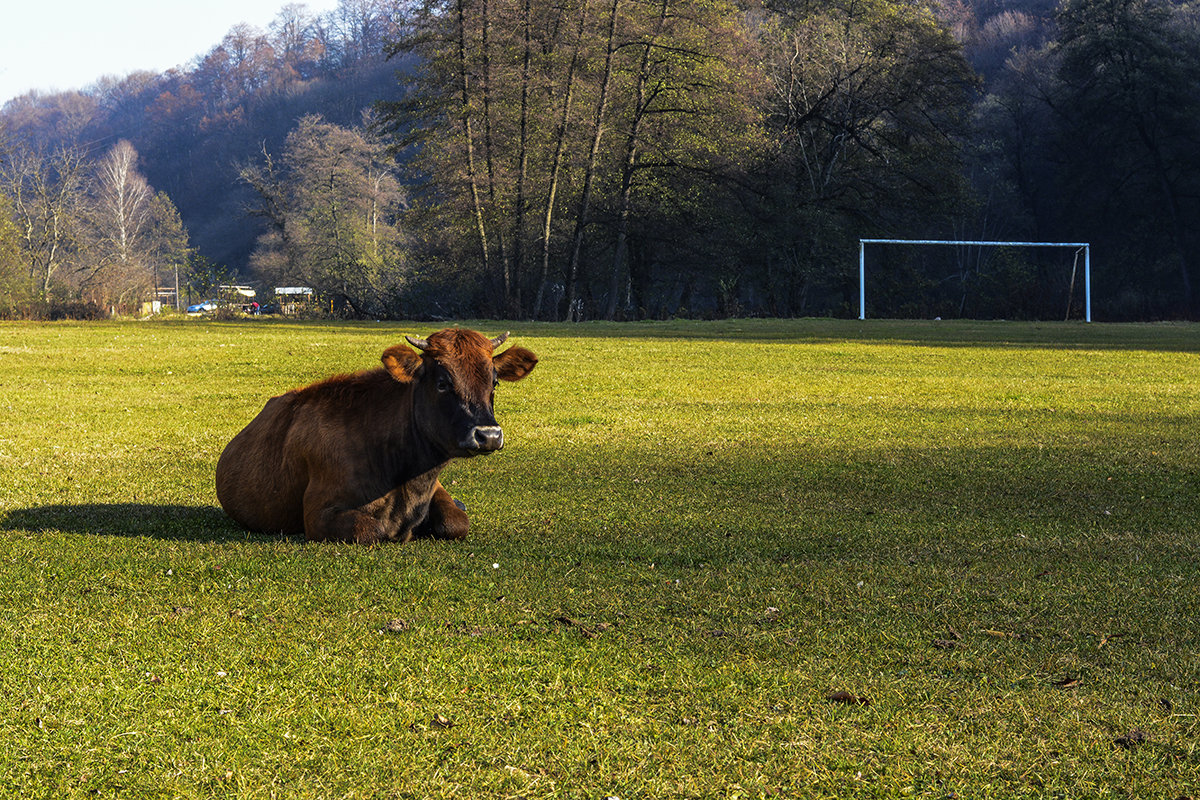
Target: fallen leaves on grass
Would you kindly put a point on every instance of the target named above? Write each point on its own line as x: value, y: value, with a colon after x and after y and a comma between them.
x: 592, y: 633
x: 1067, y: 682
x: 588, y: 631
x: 395, y: 626
x: 845, y: 698
x: 950, y: 641
x: 441, y: 722
x: 945, y: 644
x: 517, y: 772
x: 1130, y: 740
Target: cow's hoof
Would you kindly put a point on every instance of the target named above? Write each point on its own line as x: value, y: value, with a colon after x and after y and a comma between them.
x: 461, y: 505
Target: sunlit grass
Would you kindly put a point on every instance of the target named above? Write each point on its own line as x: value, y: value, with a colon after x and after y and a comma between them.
x: 697, y: 533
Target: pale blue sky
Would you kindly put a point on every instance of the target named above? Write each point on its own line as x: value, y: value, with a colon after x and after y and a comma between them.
x: 58, y: 45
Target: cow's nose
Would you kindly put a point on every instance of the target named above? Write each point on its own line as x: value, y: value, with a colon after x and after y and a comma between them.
x: 486, y: 438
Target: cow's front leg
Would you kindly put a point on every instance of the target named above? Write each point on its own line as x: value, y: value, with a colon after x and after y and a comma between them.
x: 326, y: 521
x: 446, y: 519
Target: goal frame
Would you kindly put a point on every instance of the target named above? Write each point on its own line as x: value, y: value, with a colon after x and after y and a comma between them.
x: 1084, y: 246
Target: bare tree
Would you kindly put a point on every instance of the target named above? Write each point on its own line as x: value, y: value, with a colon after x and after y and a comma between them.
x: 643, y: 95
x: 582, y: 216
x: 123, y: 214
x: 556, y: 162
x: 46, y: 193
x: 464, y: 75
x: 123, y: 198
x: 293, y: 37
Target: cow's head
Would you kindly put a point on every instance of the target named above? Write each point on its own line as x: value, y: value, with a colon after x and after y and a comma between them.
x: 454, y: 377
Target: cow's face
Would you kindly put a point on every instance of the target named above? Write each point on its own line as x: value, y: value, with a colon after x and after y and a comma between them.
x: 454, y: 378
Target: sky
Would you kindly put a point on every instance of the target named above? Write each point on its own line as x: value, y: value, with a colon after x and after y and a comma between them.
x: 60, y: 45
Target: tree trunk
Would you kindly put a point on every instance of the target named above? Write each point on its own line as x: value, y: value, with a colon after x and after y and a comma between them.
x: 488, y: 149
x: 560, y: 136
x: 512, y: 294
x: 631, y: 157
x: 585, y: 199
x: 614, y: 282
x: 465, y: 88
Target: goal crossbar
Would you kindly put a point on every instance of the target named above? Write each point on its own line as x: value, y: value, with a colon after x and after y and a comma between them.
x: 1084, y: 246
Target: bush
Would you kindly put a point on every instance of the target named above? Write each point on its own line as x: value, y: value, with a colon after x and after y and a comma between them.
x: 41, y: 310
x: 74, y: 309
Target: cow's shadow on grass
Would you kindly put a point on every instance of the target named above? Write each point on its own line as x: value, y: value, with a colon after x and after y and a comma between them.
x: 173, y: 522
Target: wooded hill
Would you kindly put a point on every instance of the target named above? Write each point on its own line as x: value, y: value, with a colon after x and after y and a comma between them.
x: 630, y: 158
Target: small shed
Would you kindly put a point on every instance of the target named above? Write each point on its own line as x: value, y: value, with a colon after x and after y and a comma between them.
x: 293, y: 299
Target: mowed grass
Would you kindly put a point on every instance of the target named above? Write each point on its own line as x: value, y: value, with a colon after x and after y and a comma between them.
x: 697, y: 535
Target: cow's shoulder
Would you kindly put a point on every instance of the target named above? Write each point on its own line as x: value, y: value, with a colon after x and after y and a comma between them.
x: 339, y: 391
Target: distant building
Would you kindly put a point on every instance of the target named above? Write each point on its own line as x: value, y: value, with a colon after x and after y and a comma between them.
x: 234, y: 294
x: 293, y: 299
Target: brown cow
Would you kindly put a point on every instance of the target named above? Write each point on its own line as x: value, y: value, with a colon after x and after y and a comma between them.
x: 356, y: 458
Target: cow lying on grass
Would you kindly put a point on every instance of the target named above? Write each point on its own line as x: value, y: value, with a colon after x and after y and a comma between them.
x: 356, y: 458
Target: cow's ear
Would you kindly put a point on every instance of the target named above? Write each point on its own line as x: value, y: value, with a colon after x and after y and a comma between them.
x: 401, y: 363
x: 514, y: 363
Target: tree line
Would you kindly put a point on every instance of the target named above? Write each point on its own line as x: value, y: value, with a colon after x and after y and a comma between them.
x: 74, y: 230
x: 633, y: 158
x: 621, y: 159
x: 193, y: 130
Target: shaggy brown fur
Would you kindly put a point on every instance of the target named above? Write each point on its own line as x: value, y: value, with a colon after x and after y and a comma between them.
x: 356, y: 458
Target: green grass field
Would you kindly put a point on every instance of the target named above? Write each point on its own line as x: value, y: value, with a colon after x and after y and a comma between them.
x: 697, y: 535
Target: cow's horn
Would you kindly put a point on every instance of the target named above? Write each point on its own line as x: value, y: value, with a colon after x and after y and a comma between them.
x: 420, y: 344
x: 499, y: 340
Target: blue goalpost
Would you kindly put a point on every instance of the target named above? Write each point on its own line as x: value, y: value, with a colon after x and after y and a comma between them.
x: 1083, y: 247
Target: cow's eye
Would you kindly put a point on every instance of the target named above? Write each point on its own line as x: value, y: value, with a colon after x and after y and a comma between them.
x: 444, y: 385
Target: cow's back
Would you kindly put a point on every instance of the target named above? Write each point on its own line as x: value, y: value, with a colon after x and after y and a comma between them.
x: 258, y: 483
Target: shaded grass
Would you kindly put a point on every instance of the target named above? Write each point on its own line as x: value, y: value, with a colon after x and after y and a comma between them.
x: 697, y: 533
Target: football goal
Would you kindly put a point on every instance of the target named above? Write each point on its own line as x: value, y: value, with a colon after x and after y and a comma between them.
x: 1080, y: 247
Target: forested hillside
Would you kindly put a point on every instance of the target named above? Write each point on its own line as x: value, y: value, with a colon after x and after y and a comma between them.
x: 629, y: 158
x: 193, y: 130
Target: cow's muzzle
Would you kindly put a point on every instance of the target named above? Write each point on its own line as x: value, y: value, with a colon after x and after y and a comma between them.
x: 484, y: 439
